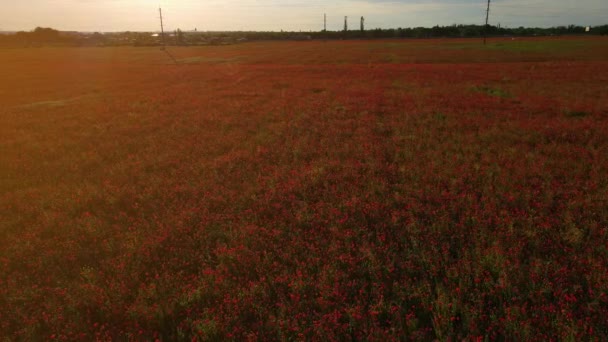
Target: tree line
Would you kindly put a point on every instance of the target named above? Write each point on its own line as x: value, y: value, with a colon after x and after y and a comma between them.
x: 465, y: 31
x: 48, y: 36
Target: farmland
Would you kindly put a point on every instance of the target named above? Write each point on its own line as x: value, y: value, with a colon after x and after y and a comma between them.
x: 365, y: 190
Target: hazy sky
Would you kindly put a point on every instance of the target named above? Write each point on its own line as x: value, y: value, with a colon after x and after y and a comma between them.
x: 274, y: 15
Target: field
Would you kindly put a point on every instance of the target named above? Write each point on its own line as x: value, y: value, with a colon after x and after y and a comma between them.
x: 339, y: 190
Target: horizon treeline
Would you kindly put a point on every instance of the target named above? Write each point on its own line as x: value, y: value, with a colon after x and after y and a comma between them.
x: 49, y: 36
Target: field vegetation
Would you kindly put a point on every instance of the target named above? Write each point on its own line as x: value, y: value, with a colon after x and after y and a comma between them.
x: 364, y: 190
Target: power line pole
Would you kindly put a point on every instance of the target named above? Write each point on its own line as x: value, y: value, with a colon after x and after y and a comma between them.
x: 162, y: 28
x: 325, y: 22
x: 485, y: 29
x: 162, y: 36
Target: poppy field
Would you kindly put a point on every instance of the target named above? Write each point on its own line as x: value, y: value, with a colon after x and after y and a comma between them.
x: 377, y: 190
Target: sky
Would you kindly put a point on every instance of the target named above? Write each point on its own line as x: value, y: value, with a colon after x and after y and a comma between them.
x: 291, y: 15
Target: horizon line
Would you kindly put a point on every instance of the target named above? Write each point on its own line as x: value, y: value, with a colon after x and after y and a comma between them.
x: 296, y: 31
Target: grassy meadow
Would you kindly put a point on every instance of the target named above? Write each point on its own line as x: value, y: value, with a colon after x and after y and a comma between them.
x: 306, y: 191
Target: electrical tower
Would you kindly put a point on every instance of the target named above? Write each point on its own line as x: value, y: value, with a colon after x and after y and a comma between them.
x: 362, y: 24
x: 345, y: 24
x: 325, y: 22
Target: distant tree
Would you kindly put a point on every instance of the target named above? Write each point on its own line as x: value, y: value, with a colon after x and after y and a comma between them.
x: 179, y: 37
x: 45, y: 35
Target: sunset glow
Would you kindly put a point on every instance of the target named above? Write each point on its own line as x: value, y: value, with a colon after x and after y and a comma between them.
x: 274, y: 15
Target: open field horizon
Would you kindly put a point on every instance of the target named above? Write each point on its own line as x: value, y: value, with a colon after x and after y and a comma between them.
x: 365, y: 190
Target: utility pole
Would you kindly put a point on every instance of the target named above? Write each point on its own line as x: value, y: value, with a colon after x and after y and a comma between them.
x: 325, y: 22
x: 162, y: 28
x: 485, y: 29
x: 362, y: 24
x: 345, y: 24
x: 162, y: 37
